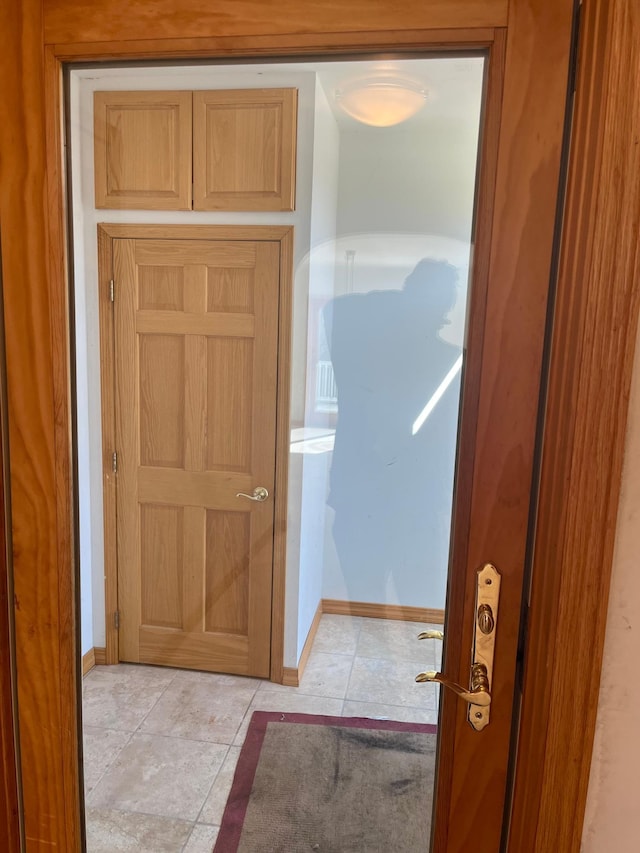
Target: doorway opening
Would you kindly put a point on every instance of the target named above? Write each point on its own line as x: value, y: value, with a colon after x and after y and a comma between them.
x: 383, y: 212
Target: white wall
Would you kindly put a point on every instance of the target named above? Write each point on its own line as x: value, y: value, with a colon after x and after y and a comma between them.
x: 414, y: 178
x: 85, y: 221
x: 405, y: 193
x: 612, y: 820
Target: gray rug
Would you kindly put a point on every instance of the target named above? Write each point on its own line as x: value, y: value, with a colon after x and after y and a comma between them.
x: 332, y: 785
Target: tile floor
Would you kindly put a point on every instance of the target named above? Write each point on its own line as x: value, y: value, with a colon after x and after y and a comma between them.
x: 161, y: 745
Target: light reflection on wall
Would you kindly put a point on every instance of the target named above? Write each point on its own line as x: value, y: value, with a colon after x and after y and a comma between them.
x: 387, y: 540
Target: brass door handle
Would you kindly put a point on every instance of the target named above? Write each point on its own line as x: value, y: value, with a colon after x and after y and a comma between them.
x: 482, y: 654
x: 479, y: 693
x: 259, y: 494
x: 431, y: 635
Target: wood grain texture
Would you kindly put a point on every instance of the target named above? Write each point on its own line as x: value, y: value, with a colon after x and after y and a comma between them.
x: 61, y: 322
x: 162, y: 538
x: 161, y: 381
x: 22, y: 201
x: 88, y: 661
x: 244, y: 149
x: 456, y: 649
x: 196, y: 424
x: 142, y: 150
x: 167, y: 647
x: 371, y: 610
x: 39, y: 430
x: 526, y: 185
x: 283, y: 418
x: 591, y: 359
x: 291, y: 675
x: 226, y: 585
x: 126, y: 416
x: 197, y: 232
x: 234, y: 325
x: 73, y: 21
x: 94, y: 657
x: 365, y: 42
x: 9, y: 807
x: 161, y: 288
x: 308, y: 643
x: 227, y: 253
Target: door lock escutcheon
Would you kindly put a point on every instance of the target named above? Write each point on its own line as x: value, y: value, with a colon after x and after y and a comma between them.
x: 478, y: 694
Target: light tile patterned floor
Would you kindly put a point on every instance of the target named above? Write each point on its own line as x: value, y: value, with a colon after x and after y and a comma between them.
x: 161, y: 745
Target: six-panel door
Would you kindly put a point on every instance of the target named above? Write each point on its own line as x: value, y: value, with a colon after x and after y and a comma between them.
x: 196, y: 357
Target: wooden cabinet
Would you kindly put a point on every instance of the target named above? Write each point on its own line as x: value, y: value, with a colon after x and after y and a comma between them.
x: 238, y: 149
x: 142, y: 149
x: 244, y: 145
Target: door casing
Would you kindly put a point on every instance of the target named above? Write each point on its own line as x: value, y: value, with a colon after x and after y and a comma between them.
x: 596, y: 302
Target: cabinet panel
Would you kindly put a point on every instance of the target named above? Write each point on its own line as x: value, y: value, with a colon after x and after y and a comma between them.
x: 142, y: 145
x: 244, y: 149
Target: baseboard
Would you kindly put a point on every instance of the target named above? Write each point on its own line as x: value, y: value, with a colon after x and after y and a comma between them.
x: 291, y: 675
x: 93, y: 657
x: 308, y: 645
x: 401, y: 612
x: 88, y: 661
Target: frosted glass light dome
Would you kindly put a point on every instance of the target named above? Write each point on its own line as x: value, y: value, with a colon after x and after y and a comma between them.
x: 381, y: 102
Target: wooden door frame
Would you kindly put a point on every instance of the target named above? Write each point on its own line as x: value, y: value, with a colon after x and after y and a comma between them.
x: 283, y: 235
x: 590, y: 360
x: 9, y: 790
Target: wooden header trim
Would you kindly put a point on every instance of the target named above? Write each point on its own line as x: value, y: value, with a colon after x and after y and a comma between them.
x: 82, y: 21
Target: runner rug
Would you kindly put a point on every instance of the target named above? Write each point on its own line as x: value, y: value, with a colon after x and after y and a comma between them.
x: 332, y: 785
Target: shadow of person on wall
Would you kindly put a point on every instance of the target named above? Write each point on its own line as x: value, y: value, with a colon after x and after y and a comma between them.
x: 391, y: 478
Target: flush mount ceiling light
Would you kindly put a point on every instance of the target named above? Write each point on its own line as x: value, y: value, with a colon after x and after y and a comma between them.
x: 381, y: 102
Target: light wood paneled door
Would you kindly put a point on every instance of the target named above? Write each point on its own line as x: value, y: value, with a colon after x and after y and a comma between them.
x: 196, y: 340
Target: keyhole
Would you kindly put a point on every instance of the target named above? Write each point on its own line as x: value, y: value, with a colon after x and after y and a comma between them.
x: 486, y: 622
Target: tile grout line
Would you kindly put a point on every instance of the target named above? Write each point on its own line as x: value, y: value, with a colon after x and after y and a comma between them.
x: 226, y: 755
x: 162, y: 692
x: 213, y: 782
x: 193, y: 828
x: 87, y: 796
x: 204, y: 802
x: 353, y: 660
x: 128, y: 741
x: 137, y: 731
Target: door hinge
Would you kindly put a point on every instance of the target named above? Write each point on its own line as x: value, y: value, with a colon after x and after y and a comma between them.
x: 114, y: 462
x: 112, y: 291
x: 116, y: 619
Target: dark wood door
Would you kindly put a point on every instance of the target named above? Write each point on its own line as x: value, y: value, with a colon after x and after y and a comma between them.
x: 529, y: 43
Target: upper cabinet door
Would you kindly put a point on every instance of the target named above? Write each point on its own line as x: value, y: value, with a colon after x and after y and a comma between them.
x: 244, y: 151
x: 142, y: 144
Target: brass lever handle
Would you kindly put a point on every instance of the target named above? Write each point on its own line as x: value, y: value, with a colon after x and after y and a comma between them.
x: 479, y: 693
x: 431, y: 635
x: 259, y: 494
